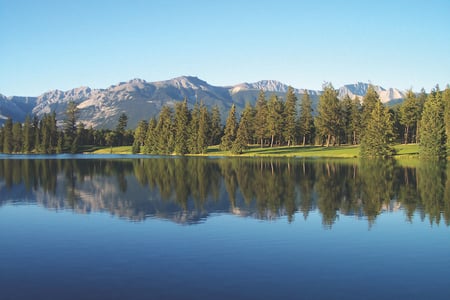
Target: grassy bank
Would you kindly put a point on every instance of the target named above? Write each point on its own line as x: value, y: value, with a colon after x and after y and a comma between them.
x: 403, y: 151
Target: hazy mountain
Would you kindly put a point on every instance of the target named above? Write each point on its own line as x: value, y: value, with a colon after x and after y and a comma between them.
x: 360, y: 89
x: 15, y: 107
x: 141, y: 100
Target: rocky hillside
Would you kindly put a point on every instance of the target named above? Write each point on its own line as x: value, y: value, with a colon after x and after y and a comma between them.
x: 141, y: 100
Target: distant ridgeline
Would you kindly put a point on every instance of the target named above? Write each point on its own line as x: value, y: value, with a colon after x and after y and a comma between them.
x: 141, y: 100
x: 271, y: 118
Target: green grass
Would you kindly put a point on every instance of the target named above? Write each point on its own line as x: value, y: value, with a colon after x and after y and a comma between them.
x: 113, y: 150
x: 295, y: 151
x: 403, y: 151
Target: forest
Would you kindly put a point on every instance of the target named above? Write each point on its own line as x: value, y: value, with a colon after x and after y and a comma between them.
x: 422, y: 118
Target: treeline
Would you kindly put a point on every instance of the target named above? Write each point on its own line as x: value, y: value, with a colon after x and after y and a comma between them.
x: 44, y: 136
x: 421, y: 118
x: 180, y: 130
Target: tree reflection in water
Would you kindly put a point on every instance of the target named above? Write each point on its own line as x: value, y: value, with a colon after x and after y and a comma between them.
x: 187, y: 190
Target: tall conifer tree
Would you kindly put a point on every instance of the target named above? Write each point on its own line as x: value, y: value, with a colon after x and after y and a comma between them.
x: 229, y: 134
x: 433, y: 138
x: 261, y: 118
x: 306, y: 119
x: 290, y: 117
x: 182, y: 116
x: 328, y: 120
x: 376, y: 141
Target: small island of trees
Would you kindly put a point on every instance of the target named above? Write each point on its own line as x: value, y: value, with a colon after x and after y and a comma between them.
x: 422, y: 118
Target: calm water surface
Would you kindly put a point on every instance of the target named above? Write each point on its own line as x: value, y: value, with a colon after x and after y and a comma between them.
x: 174, y: 228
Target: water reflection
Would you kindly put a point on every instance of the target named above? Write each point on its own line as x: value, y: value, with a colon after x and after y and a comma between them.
x: 187, y: 190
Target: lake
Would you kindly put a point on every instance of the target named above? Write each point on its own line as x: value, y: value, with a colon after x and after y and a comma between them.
x: 134, y: 227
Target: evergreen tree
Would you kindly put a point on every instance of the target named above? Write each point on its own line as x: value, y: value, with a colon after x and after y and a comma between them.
x: 355, y: 121
x: 346, y: 108
x: 120, y: 129
x: 164, y: 132
x: 60, y: 143
x: 17, y: 137
x: 27, y: 135
x: 70, y: 125
x: 328, y: 120
x: 182, y: 116
x: 139, y: 136
x: 1, y: 139
x: 141, y: 132
x: 216, y: 127
x: 376, y: 141
x: 275, y: 120
x: 136, y: 147
x: 306, y: 119
x: 446, y: 101
x: 240, y: 143
x: 290, y: 117
x: 433, y: 139
x: 8, y: 136
x: 246, y: 124
x: 150, y: 137
x: 421, y: 99
x: 409, y: 115
x: 370, y: 100
x: 204, y: 125
x: 193, y: 130
x: 230, y: 130
x: 260, y: 123
x: 36, y: 134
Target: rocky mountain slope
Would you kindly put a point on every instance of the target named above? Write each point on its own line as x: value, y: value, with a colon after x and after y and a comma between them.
x: 141, y: 100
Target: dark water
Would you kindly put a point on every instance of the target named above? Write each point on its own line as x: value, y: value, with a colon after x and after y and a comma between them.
x: 173, y: 228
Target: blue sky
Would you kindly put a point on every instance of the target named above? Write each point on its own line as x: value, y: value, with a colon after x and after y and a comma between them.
x: 47, y: 45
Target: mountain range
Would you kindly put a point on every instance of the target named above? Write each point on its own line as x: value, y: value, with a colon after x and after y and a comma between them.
x: 141, y: 100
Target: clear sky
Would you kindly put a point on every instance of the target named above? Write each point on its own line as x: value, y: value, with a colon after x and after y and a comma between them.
x: 58, y: 44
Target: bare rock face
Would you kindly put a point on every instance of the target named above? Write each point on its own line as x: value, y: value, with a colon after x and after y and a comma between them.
x: 142, y: 100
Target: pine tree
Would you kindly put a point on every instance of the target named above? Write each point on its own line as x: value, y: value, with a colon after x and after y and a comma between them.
x: 306, y: 119
x: 369, y: 102
x: 346, y: 109
x: 8, y: 136
x: 230, y: 130
x: 120, y: 129
x: 70, y: 125
x: 433, y: 138
x: 355, y: 121
x: 1, y: 138
x: 216, y: 127
x: 421, y: 99
x: 17, y: 137
x: 376, y: 141
x: 290, y: 117
x: 328, y: 120
x: 240, y: 143
x: 275, y: 120
x: 27, y: 135
x: 150, y: 138
x: 164, y: 131
x: 409, y: 114
x: 193, y: 130
x: 260, y: 123
x: 446, y: 102
x: 36, y: 134
x: 139, y: 136
x: 182, y: 116
x: 204, y: 125
x: 246, y: 123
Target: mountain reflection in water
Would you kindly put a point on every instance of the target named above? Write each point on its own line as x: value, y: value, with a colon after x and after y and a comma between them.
x: 188, y: 190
